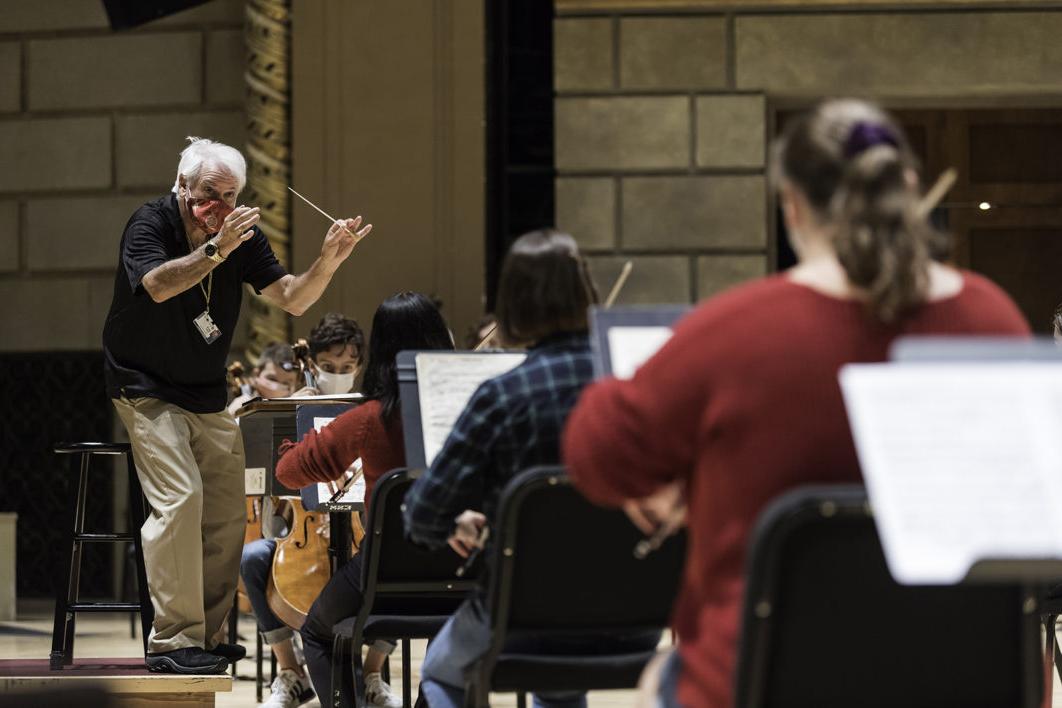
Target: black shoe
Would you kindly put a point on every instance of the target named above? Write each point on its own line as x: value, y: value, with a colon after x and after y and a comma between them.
x: 229, y: 652
x: 189, y: 660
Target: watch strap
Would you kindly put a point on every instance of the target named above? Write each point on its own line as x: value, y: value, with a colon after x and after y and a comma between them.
x: 213, y: 252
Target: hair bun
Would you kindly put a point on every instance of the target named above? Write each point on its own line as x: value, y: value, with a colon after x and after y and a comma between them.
x: 865, y: 135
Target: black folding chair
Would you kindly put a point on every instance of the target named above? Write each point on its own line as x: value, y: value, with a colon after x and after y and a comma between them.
x: 825, y: 625
x: 1050, y: 611
x: 561, y: 567
x: 409, y: 592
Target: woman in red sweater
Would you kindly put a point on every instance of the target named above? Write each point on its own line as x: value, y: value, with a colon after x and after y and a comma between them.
x: 743, y: 402
x: 373, y: 432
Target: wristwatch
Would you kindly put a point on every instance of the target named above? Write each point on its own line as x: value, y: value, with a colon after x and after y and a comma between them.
x: 211, y: 251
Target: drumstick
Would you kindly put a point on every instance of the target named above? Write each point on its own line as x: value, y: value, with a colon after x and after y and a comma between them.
x: 944, y: 183
x: 614, y: 293
x: 323, y: 213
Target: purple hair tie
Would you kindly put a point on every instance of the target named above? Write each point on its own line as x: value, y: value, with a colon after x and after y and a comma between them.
x: 865, y: 135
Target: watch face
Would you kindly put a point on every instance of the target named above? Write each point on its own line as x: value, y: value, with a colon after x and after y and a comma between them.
x: 210, y: 249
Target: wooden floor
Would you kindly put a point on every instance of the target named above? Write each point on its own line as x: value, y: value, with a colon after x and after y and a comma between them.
x: 108, y: 635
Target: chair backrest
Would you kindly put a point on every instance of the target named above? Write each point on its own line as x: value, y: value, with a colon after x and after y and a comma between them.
x: 824, y: 624
x: 392, y: 562
x: 560, y: 563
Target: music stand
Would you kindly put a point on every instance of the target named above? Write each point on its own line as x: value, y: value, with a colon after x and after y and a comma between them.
x: 639, y: 320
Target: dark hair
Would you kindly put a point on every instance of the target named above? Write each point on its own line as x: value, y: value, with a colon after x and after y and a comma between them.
x: 281, y: 354
x: 852, y: 162
x: 405, y: 321
x: 335, y: 329
x: 544, y: 288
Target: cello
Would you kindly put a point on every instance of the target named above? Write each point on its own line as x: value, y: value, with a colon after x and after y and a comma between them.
x: 302, y: 562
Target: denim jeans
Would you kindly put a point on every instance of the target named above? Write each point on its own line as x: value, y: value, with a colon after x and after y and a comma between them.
x: 670, y: 672
x: 255, y: 567
x: 466, y: 637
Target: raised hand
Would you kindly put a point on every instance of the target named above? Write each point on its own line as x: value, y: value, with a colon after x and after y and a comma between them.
x: 341, y: 239
x: 237, y: 228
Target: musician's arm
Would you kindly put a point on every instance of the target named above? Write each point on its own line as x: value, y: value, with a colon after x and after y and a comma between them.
x: 626, y: 439
x: 324, y: 456
x: 455, y: 481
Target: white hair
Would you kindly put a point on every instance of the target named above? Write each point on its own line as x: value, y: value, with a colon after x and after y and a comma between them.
x: 202, y: 153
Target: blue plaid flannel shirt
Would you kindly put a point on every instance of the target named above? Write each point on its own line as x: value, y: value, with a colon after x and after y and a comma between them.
x: 512, y: 422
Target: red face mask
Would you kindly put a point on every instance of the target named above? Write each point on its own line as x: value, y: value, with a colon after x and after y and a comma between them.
x: 208, y: 214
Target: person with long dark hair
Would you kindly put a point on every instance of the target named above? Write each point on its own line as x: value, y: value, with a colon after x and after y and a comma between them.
x: 743, y: 404
x: 373, y: 432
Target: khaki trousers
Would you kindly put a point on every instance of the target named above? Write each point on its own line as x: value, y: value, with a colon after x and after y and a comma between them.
x: 191, y: 466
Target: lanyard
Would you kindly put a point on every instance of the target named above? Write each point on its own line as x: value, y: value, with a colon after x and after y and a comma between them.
x: 206, y: 290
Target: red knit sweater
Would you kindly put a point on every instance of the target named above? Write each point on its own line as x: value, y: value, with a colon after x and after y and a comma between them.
x: 324, y: 456
x: 743, y: 404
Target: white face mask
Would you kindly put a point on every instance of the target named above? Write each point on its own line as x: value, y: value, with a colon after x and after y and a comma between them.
x: 332, y: 384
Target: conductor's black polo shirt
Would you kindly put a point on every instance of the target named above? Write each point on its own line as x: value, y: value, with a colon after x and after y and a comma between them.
x: 154, y: 349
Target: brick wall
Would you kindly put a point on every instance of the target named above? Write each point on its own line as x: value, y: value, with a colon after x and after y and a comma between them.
x: 662, y: 120
x: 91, y: 122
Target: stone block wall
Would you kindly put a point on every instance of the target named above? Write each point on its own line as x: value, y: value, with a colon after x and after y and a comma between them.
x: 641, y: 104
x: 91, y: 124
x: 663, y: 116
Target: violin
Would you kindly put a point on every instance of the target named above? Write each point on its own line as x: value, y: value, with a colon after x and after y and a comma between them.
x: 302, y: 356
x: 237, y: 378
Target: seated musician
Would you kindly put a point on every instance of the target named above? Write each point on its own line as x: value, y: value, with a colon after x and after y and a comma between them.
x: 743, y: 402
x: 512, y: 423
x: 372, y: 432
x: 337, y: 349
x: 275, y: 376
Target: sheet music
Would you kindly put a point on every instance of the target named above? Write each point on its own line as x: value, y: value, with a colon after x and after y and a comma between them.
x: 446, y: 382
x: 356, y: 492
x: 630, y: 347
x: 962, y: 462
x: 322, y: 397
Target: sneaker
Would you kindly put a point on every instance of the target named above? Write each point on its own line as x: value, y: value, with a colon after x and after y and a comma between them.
x: 378, y: 693
x: 229, y: 652
x: 289, y: 690
x: 189, y: 660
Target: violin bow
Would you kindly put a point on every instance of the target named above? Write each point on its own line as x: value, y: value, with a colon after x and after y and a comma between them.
x: 936, y: 193
x: 618, y: 285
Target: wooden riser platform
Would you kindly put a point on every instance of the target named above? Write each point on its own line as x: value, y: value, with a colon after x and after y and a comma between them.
x: 123, y: 683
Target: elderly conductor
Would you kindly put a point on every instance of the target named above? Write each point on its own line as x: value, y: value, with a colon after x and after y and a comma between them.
x: 183, y: 261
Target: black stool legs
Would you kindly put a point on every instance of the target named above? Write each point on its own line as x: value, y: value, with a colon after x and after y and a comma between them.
x: 63, y: 628
x: 67, y: 602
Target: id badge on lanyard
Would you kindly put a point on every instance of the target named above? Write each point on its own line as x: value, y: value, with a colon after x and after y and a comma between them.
x: 204, y: 322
